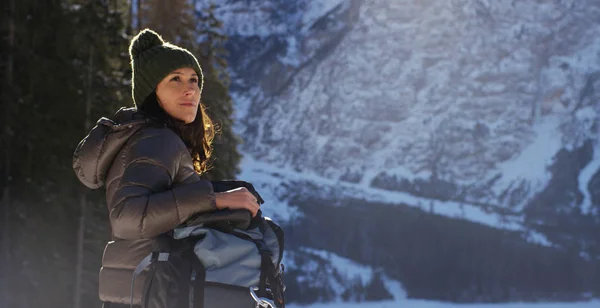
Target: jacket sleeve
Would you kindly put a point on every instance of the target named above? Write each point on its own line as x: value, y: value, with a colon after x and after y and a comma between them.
x: 146, y: 203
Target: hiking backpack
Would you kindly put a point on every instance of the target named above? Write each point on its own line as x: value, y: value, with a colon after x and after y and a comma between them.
x: 219, y: 259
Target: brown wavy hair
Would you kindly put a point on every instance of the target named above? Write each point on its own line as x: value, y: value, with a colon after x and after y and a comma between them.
x: 198, y: 136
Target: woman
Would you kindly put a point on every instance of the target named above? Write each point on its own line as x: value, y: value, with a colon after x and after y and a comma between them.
x: 150, y: 158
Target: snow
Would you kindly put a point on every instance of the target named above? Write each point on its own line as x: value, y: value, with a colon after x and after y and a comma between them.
x: 427, y: 75
x: 395, y: 288
x: 315, y: 9
x: 413, y: 303
x: 292, y: 54
x: 421, y: 94
x: 584, y: 179
x: 536, y: 237
x: 532, y: 162
x: 347, y: 271
x: 270, y: 175
x: 346, y: 267
x: 270, y: 181
x: 275, y: 206
x: 242, y: 106
x: 247, y: 19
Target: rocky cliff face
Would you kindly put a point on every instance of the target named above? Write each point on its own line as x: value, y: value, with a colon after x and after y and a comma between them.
x: 486, y: 111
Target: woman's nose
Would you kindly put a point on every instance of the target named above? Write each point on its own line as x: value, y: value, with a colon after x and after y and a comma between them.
x: 190, y: 90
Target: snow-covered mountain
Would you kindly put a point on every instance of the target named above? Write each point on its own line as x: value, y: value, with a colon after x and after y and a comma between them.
x: 483, y: 111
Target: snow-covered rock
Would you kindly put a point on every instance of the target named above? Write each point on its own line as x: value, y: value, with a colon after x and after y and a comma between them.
x: 486, y: 111
x: 456, y: 101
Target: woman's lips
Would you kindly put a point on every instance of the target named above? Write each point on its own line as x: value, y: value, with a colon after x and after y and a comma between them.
x: 188, y: 104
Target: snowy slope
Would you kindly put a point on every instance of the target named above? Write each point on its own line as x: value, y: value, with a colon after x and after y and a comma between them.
x: 584, y: 181
x: 271, y: 179
x: 421, y: 101
x: 342, y: 280
x: 448, y: 101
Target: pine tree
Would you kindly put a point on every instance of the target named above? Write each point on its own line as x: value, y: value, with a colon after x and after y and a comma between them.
x: 173, y: 20
x: 44, y: 102
x: 5, y: 163
x: 104, y: 77
x: 216, y: 94
x: 201, y: 33
x: 375, y: 289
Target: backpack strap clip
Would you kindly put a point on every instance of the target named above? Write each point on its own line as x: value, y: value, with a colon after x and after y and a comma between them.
x: 261, y: 302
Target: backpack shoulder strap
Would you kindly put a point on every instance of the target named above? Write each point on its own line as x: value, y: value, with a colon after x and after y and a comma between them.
x: 149, y: 259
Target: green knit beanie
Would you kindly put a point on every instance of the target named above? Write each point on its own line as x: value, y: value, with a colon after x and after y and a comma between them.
x: 152, y: 59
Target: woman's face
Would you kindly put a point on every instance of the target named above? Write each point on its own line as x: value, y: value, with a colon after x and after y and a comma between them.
x: 179, y: 94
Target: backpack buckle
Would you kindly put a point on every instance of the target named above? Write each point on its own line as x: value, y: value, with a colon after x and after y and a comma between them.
x: 261, y: 301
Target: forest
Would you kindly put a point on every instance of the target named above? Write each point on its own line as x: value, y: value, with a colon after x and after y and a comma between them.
x: 64, y: 64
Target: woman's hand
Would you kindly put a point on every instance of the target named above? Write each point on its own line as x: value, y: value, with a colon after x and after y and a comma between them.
x: 237, y: 199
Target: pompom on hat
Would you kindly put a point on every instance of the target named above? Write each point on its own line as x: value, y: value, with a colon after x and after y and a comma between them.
x: 152, y: 59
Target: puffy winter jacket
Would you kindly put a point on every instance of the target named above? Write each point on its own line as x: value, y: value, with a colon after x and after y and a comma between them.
x: 151, y: 188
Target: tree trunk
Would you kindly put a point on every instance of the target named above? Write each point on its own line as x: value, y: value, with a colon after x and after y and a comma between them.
x: 130, y: 19
x: 139, y: 15
x: 83, y: 194
x: 6, y: 257
x: 537, y: 99
x: 5, y: 238
x: 80, y: 259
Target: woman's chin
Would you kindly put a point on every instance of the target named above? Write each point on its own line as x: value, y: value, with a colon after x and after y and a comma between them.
x: 189, y: 119
x: 186, y: 118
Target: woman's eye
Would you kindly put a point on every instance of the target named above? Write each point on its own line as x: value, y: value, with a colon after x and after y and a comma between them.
x: 176, y: 78
x: 194, y: 80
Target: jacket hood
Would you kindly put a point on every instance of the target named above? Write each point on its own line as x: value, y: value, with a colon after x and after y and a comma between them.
x: 96, y: 152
